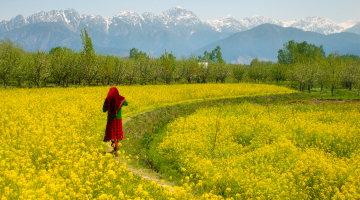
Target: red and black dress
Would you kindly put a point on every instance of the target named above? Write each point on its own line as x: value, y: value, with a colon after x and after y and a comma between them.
x: 112, y: 105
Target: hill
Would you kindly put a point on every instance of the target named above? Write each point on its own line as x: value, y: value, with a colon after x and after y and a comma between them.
x: 265, y: 40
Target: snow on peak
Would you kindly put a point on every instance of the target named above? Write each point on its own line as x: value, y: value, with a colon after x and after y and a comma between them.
x: 176, y: 16
x: 315, y: 24
x: 229, y: 16
x: 125, y: 13
x: 350, y: 23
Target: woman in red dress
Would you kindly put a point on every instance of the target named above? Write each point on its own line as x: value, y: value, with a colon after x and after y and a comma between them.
x: 112, y: 105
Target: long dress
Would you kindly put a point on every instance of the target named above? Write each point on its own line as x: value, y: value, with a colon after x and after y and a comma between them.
x: 114, y: 129
x: 113, y: 104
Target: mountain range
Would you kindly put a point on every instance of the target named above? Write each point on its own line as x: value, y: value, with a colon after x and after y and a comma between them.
x: 177, y: 30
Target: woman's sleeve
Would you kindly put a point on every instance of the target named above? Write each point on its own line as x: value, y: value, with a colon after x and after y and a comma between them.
x: 126, y: 103
x: 104, y: 109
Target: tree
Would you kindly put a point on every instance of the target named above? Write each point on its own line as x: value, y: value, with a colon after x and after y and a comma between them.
x: 136, y: 54
x: 106, y: 68
x: 357, y: 75
x: 179, y: 70
x: 157, y: 69
x: 204, y: 72
x: 278, y: 72
x: 145, y: 72
x: 258, y: 70
x: 238, y: 72
x: 168, y: 62
x: 333, y: 70
x: 78, y: 71
x: 10, y: 60
x: 118, y: 74
x: 38, y: 67
x: 89, y: 60
x: 219, y: 72
x: 132, y: 71
x: 347, y: 72
x: 322, y: 76
x: 61, y: 64
x: 294, y: 52
x: 214, y: 57
x: 191, y: 68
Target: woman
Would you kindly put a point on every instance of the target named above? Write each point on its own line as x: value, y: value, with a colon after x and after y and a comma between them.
x: 112, y: 105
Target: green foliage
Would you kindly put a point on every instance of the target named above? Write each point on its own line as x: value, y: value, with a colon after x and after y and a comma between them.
x: 278, y: 72
x: 89, y: 59
x: 214, y: 56
x: 11, y: 65
x: 168, y: 62
x: 259, y: 71
x: 239, y: 72
x: 62, y: 64
x: 304, y: 64
x: 294, y: 52
x: 136, y: 54
x: 38, y: 67
x: 352, y: 56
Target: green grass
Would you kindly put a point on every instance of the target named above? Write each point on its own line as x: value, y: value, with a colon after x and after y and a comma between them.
x: 315, y: 91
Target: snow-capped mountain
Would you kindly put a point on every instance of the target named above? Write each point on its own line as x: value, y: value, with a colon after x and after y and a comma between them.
x: 230, y: 24
x: 316, y: 24
x: 350, y: 23
x: 177, y: 29
x: 169, y: 19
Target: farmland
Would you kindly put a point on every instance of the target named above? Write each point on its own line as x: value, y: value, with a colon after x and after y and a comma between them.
x: 300, y: 151
x: 51, y: 140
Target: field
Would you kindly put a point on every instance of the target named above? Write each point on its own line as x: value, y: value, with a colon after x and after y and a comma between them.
x: 51, y: 140
x: 249, y: 151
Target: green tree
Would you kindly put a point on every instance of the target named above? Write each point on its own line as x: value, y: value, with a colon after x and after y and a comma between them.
x: 132, y: 71
x: 157, y: 70
x: 294, y: 52
x: 118, y: 74
x: 214, y: 57
x: 322, y: 75
x: 168, y: 62
x: 278, y: 72
x: 357, y: 75
x: 219, y: 72
x: 136, y: 54
x: 258, y: 70
x: 333, y: 70
x: 238, y: 72
x: 10, y: 60
x: 145, y: 72
x: 89, y: 60
x: 38, y: 67
x: 61, y: 64
x: 347, y: 72
x: 106, y: 68
x: 179, y: 70
x: 204, y: 72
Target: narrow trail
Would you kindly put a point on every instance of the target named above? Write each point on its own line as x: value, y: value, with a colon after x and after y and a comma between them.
x: 143, y: 172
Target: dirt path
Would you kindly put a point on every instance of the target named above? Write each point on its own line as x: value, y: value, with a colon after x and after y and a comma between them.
x: 143, y: 172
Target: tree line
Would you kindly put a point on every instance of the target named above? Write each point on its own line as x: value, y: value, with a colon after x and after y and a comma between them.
x: 300, y: 62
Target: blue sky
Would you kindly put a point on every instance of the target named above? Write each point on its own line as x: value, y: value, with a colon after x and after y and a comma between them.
x: 284, y: 10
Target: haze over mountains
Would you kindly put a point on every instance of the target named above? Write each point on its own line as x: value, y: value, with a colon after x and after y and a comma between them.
x: 180, y: 31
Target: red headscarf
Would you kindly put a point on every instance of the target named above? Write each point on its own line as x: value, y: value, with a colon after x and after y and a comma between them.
x: 113, y: 102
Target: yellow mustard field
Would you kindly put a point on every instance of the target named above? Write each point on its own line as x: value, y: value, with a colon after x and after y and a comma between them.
x: 248, y: 151
x: 51, y: 140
